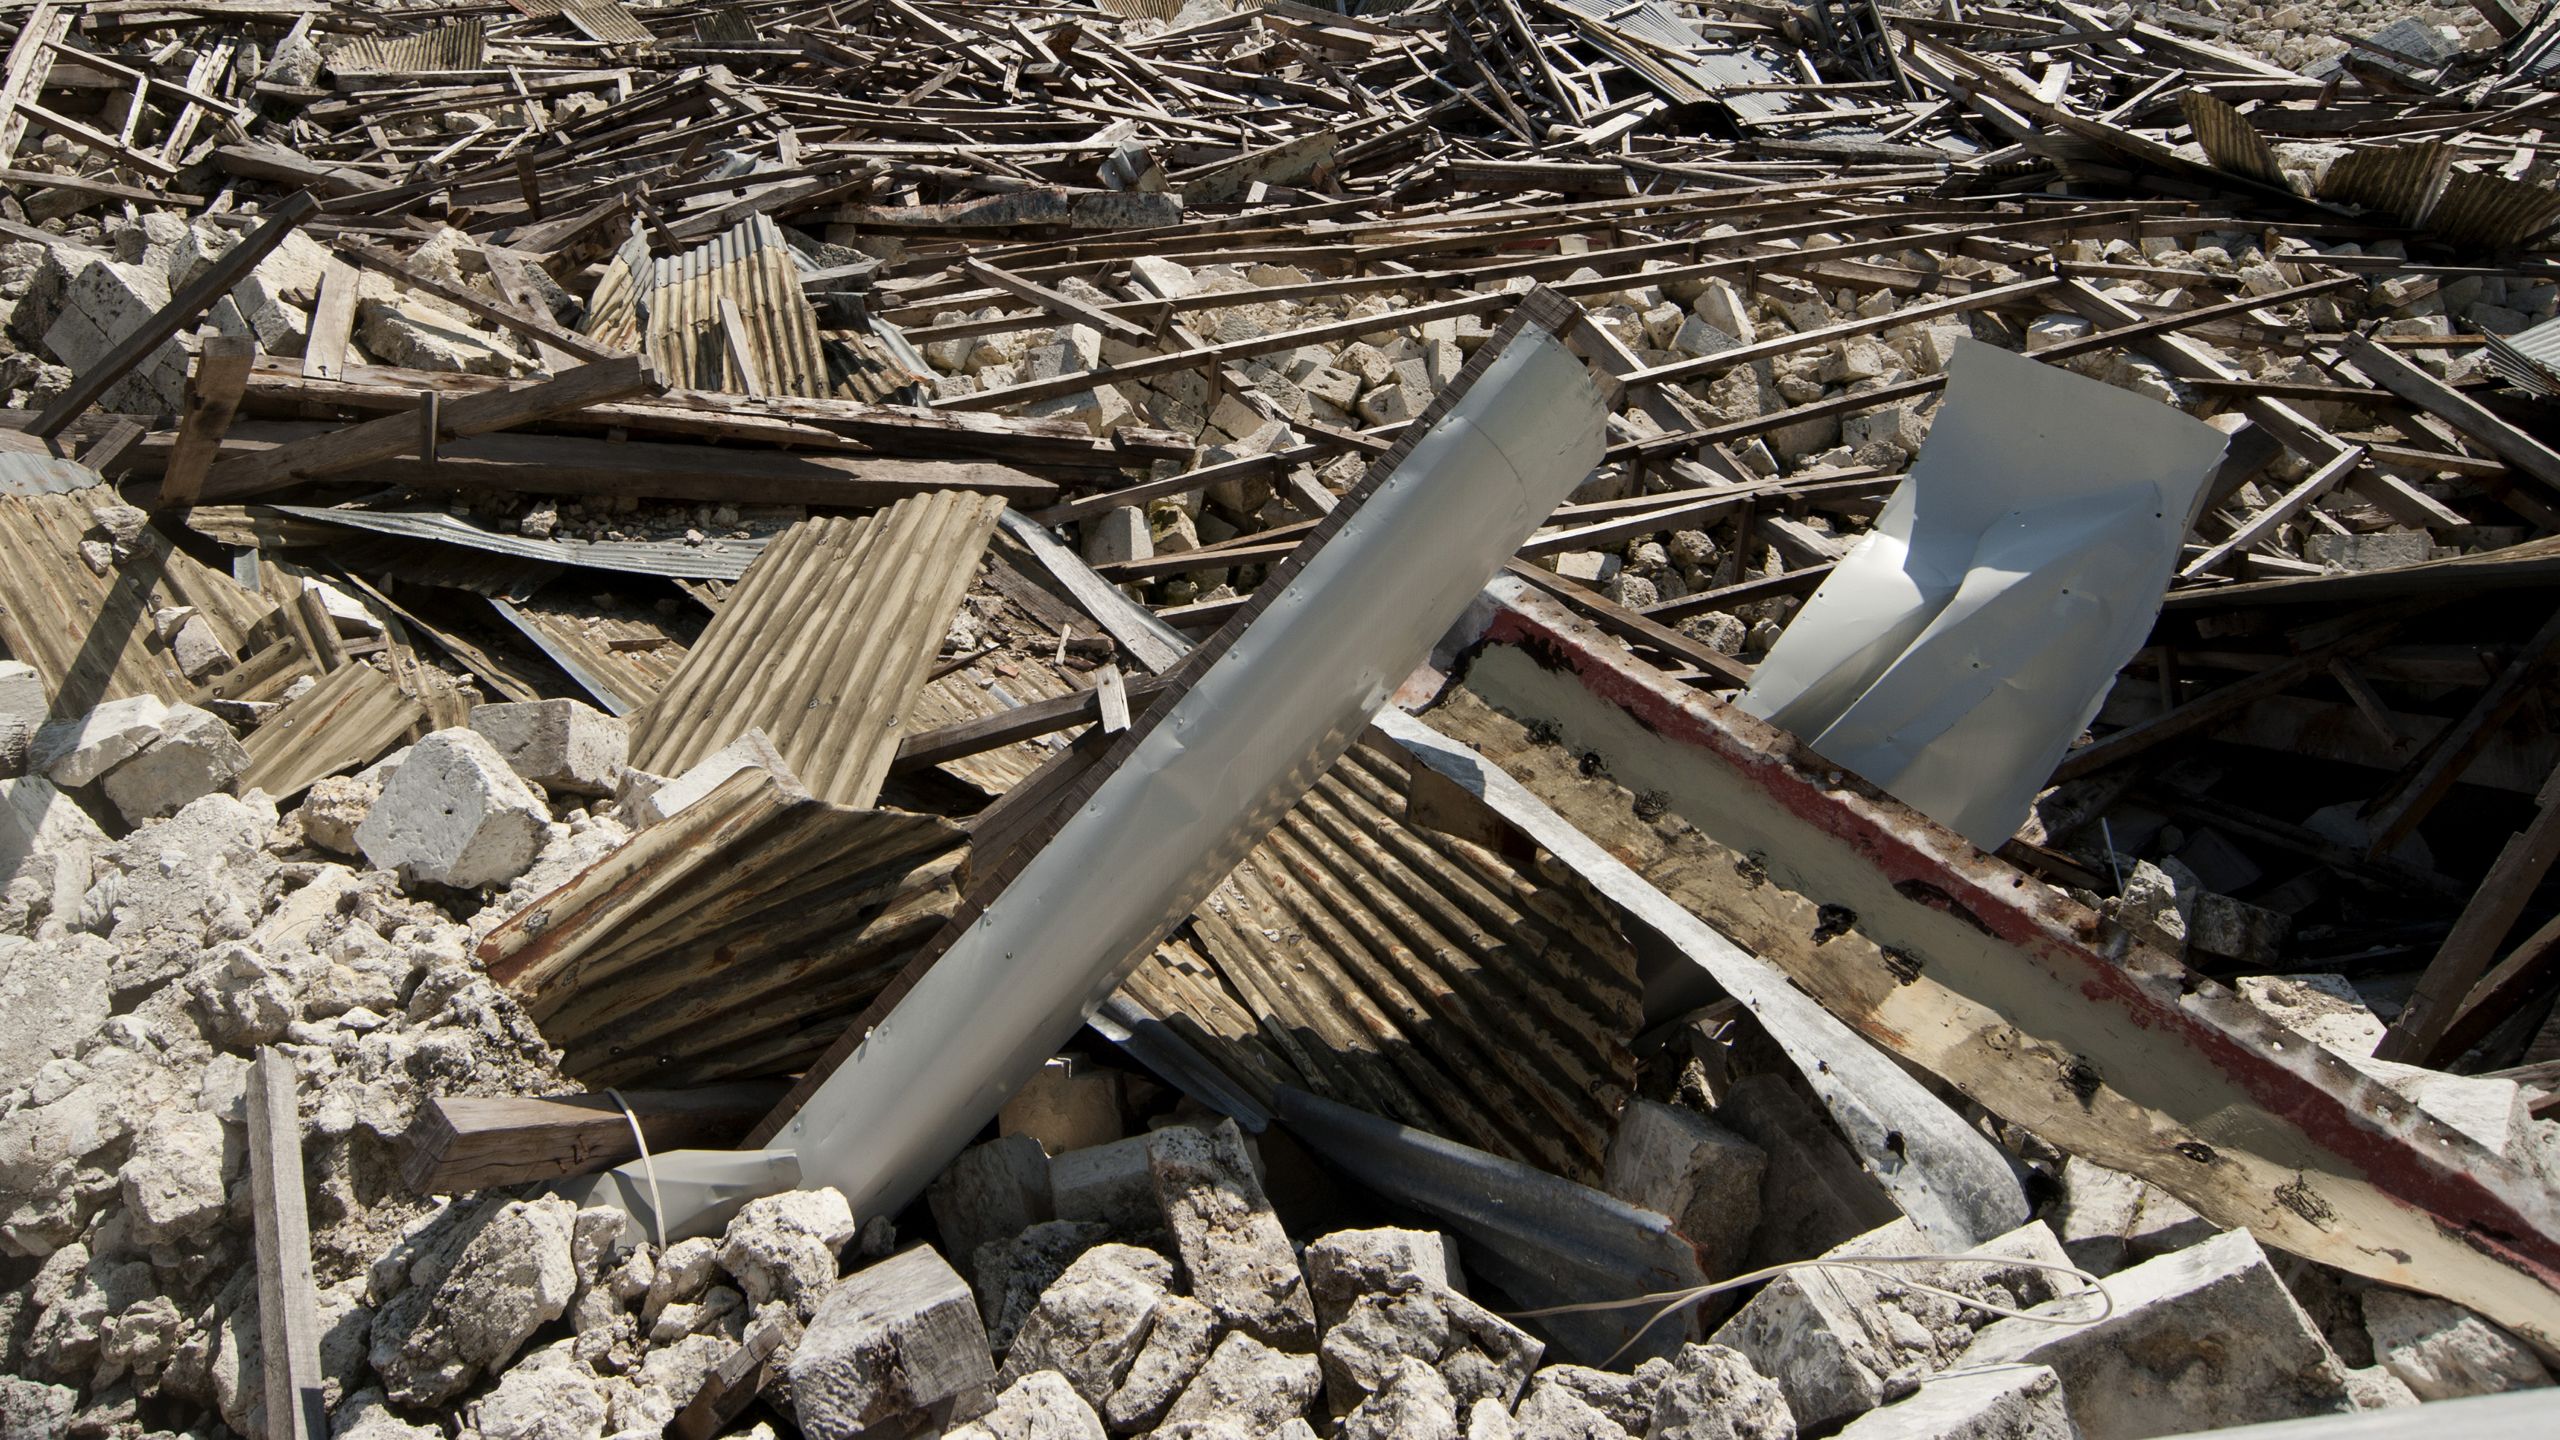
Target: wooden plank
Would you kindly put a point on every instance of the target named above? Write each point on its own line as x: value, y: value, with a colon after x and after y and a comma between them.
x: 213, y: 397
x: 459, y: 1144
x: 742, y: 354
x: 1112, y: 693
x: 1065, y: 307
x: 30, y: 61
x: 393, y: 436
x: 2291, y: 503
x: 288, y: 1301
x: 210, y: 284
x: 1023, y: 722
x: 2413, y: 793
x: 2467, y: 951
x: 333, y: 321
x: 531, y: 329
x: 2453, y: 407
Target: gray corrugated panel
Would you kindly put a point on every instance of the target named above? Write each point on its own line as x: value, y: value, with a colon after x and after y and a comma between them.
x: 737, y: 937
x: 2492, y: 211
x: 715, y: 560
x: 1411, y: 974
x: 672, y: 303
x: 824, y: 644
x: 2530, y: 359
x: 607, y: 22
x: 90, y: 635
x: 350, y: 719
x: 2400, y: 180
x: 2229, y: 140
x: 458, y: 46
x: 613, y: 311
x: 623, y: 661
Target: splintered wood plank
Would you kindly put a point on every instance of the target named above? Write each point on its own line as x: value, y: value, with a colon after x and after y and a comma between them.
x: 213, y: 397
x: 288, y: 1301
x: 333, y: 321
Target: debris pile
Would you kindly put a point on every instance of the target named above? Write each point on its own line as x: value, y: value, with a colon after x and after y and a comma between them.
x: 1470, y: 719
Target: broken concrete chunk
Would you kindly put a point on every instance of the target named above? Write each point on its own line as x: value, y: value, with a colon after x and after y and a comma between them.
x: 2012, y: 1403
x: 1348, y: 1264
x: 2442, y: 1351
x: 454, y: 814
x: 2110, y: 1219
x: 2200, y: 1339
x: 1039, y: 1406
x: 2321, y: 1008
x: 514, y: 1275
x: 560, y: 745
x: 75, y: 752
x: 53, y: 996
x: 1092, y: 1321
x: 194, y: 755
x: 1234, y: 1252
x: 1413, y: 1404
x: 1108, y: 1183
x: 783, y: 1247
x: 1713, y: 1393
x: 1249, y: 1383
x: 1069, y: 1105
x: 1177, y: 1344
x: 333, y: 808
x: 993, y: 1192
x: 901, y: 1338
x: 1012, y: 1274
x: 1555, y: 1412
x: 1705, y: 1177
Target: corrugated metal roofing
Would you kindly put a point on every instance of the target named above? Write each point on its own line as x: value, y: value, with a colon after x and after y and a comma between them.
x: 824, y: 644
x: 2229, y: 140
x: 712, y: 560
x: 351, y: 718
x: 737, y: 937
x: 89, y: 635
x: 2477, y: 208
x: 624, y: 662
x: 458, y: 46
x: 607, y: 22
x: 2530, y: 359
x: 670, y: 307
x: 1410, y: 974
x: 2400, y: 180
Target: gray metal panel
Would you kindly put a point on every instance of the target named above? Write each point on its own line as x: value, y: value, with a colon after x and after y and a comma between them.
x: 715, y: 560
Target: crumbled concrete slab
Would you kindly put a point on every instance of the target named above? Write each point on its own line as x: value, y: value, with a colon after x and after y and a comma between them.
x: 646, y: 804
x: 1237, y: 1258
x: 2109, y: 1219
x: 1039, y: 1406
x: 194, y: 755
x: 784, y: 1247
x: 2321, y: 1008
x: 2017, y: 1403
x: 1250, y: 1383
x: 1180, y: 1335
x: 2442, y: 1351
x: 514, y: 1275
x: 1110, y: 1184
x: 77, y: 751
x: 899, y: 1339
x: 1679, y: 1163
x: 49, y: 841
x: 2166, y: 1361
x: 1555, y: 1412
x: 333, y: 808
x: 560, y: 745
x: 1413, y: 1404
x: 453, y: 814
x: 1012, y: 1274
x: 1712, y: 1393
x: 1348, y: 1264
x: 53, y: 997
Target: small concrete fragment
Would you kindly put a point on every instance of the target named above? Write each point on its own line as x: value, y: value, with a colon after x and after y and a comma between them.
x: 513, y: 1276
x: 1555, y: 1412
x: 661, y: 798
x: 2442, y: 1351
x: 560, y: 745
x: 1107, y: 1183
x: 1712, y: 1393
x: 1414, y: 1404
x: 1039, y: 1406
x: 1249, y: 1383
x: 1348, y: 1264
x: 1705, y: 1177
x: 194, y: 755
x: 2200, y: 1339
x: 1234, y: 1252
x: 333, y: 809
x: 454, y: 814
x: 1092, y: 1322
x: 899, y: 1339
x: 53, y: 996
x: 783, y: 1247
x: 1177, y: 1345
x: 2022, y: 1403
x: 1011, y: 1275
x: 992, y: 1192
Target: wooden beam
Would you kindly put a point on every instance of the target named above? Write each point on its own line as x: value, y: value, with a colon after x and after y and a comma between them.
x: 1065, y: 307
x: 531, y: 329
x: 213, y: 397
x: 2456, y: 409
x: 210, y: 284
x: 333, y: 321
x: 1630, y: 625
x: 2484, y: 923
x: 459, y: 1144
x: 288, y: 1301
x: 392, y: 436
x: 2291, y: 503
x: 1040, y: 717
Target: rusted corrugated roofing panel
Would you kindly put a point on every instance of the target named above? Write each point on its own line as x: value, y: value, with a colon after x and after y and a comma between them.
x: 824, y: 644
x: 2400, y: 181
x: 737, y: 937
x: 2229, y: 140
x: 607, y: 22
x: 1413, y: 975
x: 351, y: 718
x: 2492, y: 211
x: 2530, y: 359
x: 458, y: 46
x: 749, y: 265
x: 623, y: 662
x: 90, y: 635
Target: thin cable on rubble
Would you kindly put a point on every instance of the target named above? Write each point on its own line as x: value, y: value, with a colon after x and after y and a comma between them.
x: 1679, y: 1299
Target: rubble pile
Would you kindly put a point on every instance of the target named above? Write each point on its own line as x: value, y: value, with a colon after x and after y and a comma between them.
x: 582, y: 585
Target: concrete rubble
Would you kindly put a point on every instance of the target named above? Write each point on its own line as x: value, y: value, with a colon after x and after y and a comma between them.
x: 552, y: 558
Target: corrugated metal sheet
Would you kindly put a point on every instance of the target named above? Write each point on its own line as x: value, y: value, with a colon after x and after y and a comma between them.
x: 2530, y: 359
x: 2229, y: 140
x: 958, y: 697
x: 824, y: 644
x: 351, y: 718
x: 671, y: 308
x: 624, y: 661
x: 713, y: 560
x: 90, y: 635
x: 1140, y: 9
x: 458, y: 46
x: 607, y: 22
x: 725, y: 25
x: 1410, y: 974
x: 2492, y: 211
x: 2400, y: 181
x: 737, y: 937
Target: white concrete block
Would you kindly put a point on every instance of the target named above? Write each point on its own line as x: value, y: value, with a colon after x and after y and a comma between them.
x: 76, y: 751
x: 647, y: 805
x: 194, y: 755
x: 561, y: 745
x: 454, y: 814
